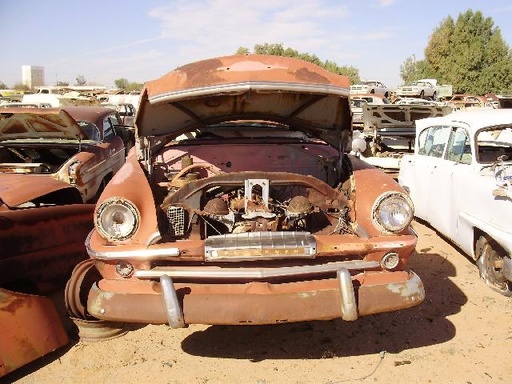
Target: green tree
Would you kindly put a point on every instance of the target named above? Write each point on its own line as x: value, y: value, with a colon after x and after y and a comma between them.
x: 62, y: 83
x: 277, y: 49
x: 242, y: 51
x: 127, y: 86
x: 2, y: 85
x: 121, y: 83
x: 133, y: 86
x: 468, y: 53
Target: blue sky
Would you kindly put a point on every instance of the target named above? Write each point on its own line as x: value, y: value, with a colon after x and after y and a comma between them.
x: 104, y: 40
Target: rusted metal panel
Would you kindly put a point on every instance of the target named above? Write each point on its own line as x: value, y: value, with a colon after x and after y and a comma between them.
x: 47, y: 123
x: 17, y: 189
x: 250, y: 68
x: 255, y: 302
x: 43, y: 244
x: 31, y: 328
x: 243, y: 87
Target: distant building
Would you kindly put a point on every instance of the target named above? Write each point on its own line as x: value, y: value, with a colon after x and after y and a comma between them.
x: 32, y: 76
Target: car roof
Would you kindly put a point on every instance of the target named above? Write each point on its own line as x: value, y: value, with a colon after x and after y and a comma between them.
x: 92, y: 114
x: 474, y: 119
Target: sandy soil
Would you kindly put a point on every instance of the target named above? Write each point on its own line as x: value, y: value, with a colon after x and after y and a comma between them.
x: 461, y: 334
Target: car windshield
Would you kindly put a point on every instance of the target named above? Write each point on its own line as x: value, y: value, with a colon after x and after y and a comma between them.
x: 494, y: 143
x: 91, y: 130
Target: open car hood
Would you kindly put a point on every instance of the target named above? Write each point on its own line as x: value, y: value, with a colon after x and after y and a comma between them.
x: 288, y: 91
x: 34, y: 123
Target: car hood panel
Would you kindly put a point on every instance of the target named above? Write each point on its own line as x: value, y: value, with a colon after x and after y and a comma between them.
x: 51, y: 124
x: 284, y: 90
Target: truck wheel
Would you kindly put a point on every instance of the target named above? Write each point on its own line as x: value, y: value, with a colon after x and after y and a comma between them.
x: 489, y: 259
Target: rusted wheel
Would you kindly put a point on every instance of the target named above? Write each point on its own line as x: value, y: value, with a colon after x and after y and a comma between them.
x: 490, y: 263
x: 90, y: 329
x: 82, y: 278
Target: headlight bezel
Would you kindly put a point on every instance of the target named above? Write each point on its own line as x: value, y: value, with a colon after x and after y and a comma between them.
x: 110, y: 212
x: 384, y: 216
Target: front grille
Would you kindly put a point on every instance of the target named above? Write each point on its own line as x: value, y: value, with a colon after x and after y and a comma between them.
x: 176, y: 218
x: 260, y: 246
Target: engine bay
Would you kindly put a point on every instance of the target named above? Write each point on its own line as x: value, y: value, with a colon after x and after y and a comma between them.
x: 227, y: 188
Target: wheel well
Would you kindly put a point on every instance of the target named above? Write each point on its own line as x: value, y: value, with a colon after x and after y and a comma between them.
x: 103, y: 184
x: 477, y: 234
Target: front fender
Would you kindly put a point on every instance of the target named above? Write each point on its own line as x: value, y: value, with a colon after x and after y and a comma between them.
x: 131, y: 183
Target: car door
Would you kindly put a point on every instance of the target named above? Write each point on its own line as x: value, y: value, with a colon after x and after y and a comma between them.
x: 449, y: 179
x: 114, y: 143
x: 418, y: 172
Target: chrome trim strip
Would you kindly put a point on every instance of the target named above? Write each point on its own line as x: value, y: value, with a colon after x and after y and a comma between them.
x: 145, y: 254
x: 214, y: 272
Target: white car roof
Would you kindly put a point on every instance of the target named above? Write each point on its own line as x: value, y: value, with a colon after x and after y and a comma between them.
x: 474, y: 119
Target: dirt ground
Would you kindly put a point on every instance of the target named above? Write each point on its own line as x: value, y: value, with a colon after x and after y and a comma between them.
x: 461, y: 333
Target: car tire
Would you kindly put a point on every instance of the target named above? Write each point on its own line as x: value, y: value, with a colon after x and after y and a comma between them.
x: 489, y: 259
x: 434, y: 96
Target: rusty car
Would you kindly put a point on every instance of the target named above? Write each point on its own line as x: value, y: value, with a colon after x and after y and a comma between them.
x: 459, y: 178
x: 76, y: 145
x: 469, y: 101
x: 241, y: 205
x: 43, y: 224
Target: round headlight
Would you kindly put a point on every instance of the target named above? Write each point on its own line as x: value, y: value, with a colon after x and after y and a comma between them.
x: 393, y: 211
x: 116, y: 219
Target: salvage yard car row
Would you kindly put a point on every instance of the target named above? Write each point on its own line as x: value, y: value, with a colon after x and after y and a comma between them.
x: 54, y: 164
x: 239, y: 203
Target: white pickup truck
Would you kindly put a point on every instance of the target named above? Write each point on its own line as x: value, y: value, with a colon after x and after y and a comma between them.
x: 425, y: 88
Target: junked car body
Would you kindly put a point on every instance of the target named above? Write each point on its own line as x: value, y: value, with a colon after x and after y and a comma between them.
x: 43, y: 222
x: 356, y: 106
x: 467, y: 101
x: 76, y: 145
x: 370, y: 87
x: 424, y: 88
x: 388, y: 133
x: 240, y: 205
x: 126, y: 112
x: 42, y: 231
x: 459, y: 179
